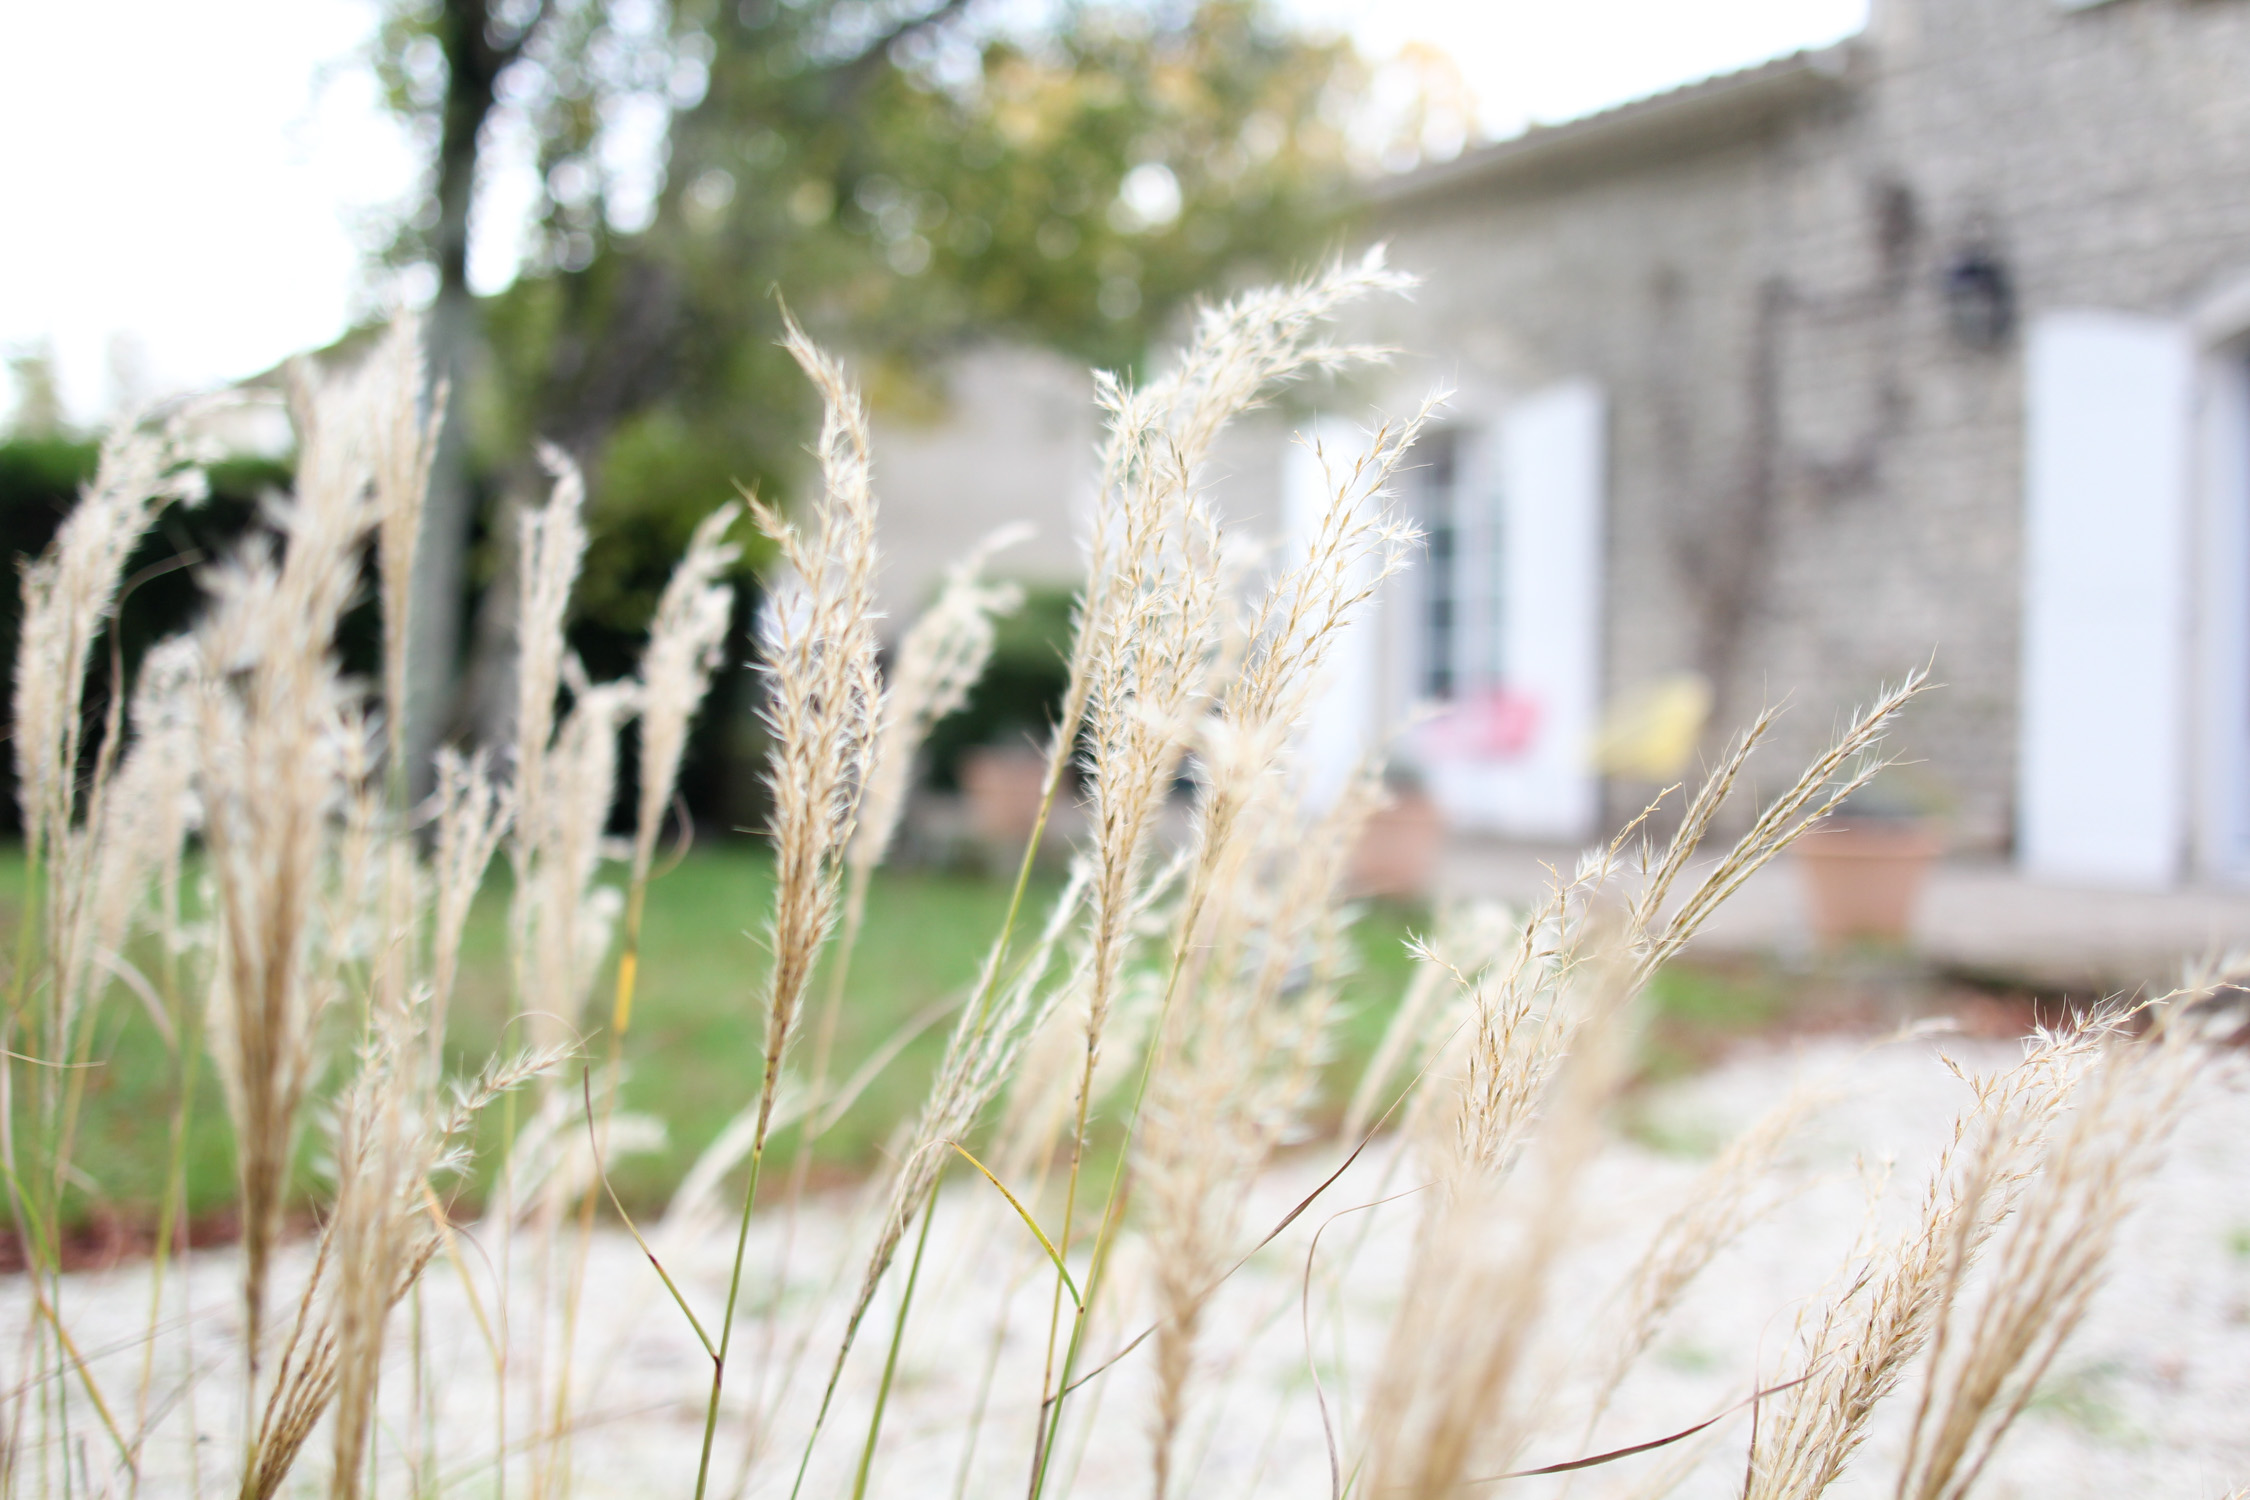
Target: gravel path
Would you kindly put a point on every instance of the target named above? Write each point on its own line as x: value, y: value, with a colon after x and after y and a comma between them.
x: 2149, y: 1398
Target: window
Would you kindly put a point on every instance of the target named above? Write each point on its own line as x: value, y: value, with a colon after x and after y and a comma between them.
x: 1458, y: 629
x: 1441, y: 530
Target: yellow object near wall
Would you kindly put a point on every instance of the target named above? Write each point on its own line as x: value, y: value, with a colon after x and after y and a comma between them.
x: 1649, y: 732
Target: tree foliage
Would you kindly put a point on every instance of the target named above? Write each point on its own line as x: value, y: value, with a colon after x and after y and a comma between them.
x: 907, y: 175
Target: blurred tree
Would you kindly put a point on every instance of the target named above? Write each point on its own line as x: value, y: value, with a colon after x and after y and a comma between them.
x: 910, y: 174
x: 38, y: 410
x: 441, y: 63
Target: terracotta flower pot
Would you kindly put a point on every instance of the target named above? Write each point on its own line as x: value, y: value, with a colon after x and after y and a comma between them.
x: 1399, y: 848
x: 1001, y: 784
x: 1863, y: 879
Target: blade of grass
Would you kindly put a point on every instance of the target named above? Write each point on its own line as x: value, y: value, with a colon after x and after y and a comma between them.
x: 190, y: 1056
x: 1598, y: 1459
x: 890, y: 1359
x: 452, y: 1243
x: 601, y: 1173
x: 1029, y: 1222
x: 1304, y: 1317
x: 1058, y: 762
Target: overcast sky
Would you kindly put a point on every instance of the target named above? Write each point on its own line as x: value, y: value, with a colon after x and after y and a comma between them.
x: 187, y: 187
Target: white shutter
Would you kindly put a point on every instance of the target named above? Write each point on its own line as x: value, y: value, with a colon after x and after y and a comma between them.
x: 1343, y: 721
x: 2221, y: 559
x: 1549, y: 471
x: 2102, y: 753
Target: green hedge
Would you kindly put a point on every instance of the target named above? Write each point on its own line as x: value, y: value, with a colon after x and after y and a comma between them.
x: 39, y: 481
x: 1021, y: 690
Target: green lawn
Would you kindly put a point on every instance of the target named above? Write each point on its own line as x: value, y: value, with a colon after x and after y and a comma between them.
x: 695, y: 1049
x: 695, y: 1046
x: 1696, y: 1012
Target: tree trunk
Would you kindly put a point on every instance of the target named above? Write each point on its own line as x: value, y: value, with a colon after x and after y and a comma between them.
x: 610, y: 363
x: 473, y: 66
x: 433, y: 641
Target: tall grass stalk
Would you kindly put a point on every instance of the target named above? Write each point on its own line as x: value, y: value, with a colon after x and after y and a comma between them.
x: 818, y: 650
x: 1172, y: 1002
x: 939, y: 660
x: 686, y: 638
x: 1149, y: 655
x: 245, y: 733
x: 70, y: 595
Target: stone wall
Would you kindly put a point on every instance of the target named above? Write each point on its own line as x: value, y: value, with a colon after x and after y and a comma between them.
x: 1012, y: 442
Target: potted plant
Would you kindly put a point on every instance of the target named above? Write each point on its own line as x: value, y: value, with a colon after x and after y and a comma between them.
x: 1865, y: 866
x: 1400, y: 844
x: 1003, y: 786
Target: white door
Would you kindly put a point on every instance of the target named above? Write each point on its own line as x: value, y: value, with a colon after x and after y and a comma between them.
x: 2102, y: 754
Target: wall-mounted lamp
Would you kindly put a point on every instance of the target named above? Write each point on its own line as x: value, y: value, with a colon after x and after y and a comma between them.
x: 1980, y: 299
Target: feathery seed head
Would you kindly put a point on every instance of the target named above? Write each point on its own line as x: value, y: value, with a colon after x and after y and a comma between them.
x: 939, y: 660
x: 685, y: 643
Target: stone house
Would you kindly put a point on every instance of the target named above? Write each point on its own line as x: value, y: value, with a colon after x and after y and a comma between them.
x: 1933, y: 345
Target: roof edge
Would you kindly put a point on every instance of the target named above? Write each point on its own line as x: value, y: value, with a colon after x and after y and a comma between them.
x: 1723, y: 108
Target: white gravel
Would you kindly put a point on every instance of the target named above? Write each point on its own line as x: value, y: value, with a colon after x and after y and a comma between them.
x: 2150, y: 1398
